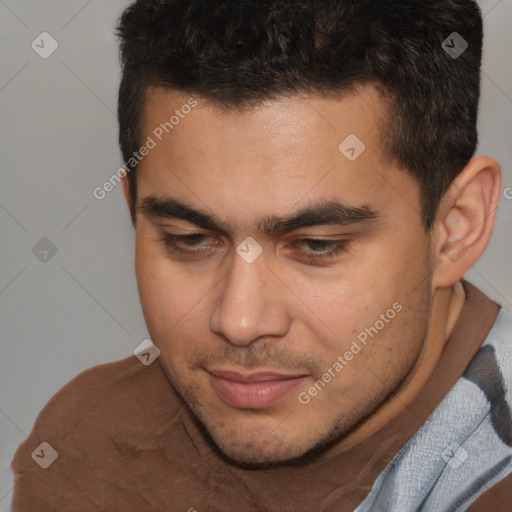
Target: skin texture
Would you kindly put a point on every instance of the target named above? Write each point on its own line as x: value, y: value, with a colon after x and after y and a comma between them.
x: 284, y: 312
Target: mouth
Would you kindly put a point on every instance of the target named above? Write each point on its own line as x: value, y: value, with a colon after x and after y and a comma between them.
x: 253, y: 391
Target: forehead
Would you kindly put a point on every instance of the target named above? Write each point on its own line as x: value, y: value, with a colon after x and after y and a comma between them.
x: 268, y: 158
x: 292, y: 117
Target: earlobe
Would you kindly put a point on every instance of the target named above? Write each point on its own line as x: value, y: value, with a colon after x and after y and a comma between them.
x: 126, y: 189
x: 465, y: 220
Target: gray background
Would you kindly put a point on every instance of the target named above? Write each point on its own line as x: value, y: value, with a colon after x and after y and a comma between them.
x: 59, y: 141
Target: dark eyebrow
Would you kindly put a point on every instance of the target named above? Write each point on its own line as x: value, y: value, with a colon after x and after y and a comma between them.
x: 316, y: 214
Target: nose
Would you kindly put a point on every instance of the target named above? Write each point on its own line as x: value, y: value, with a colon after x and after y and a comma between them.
x: 250, y: 305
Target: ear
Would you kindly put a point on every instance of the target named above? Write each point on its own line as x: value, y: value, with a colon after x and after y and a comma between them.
x: 126, y: 188
x: 465, y: 220
x: 127, y: 194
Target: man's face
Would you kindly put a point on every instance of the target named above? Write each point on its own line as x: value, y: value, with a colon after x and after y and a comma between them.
x: 286, y: 350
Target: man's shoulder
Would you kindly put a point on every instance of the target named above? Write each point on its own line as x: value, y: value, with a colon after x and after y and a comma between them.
x: 465, y: 445
x: 491, y: 367
x: 102, y: 413
x: 91, y: 390
x: 109, y: 392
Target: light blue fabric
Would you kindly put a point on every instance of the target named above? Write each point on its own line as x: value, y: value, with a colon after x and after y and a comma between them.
x: 460, y: 451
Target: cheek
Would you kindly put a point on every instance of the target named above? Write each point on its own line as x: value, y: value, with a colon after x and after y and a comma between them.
x: 173, y: 301
x: 365, y: 296
x: 162, y: 294
x: 342, y: 305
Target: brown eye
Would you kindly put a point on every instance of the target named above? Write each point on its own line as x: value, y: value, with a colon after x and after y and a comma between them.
x: 190, y: 245
x: 317, y: 249
x: 192, y: 240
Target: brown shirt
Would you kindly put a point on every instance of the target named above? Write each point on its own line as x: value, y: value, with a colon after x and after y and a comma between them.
x: 126, y: 442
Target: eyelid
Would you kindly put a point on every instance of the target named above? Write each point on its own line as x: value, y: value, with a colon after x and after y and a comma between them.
x: 166, y: 236
x: 170, y: 242
x: 335, y: 248
x: 294, y: 238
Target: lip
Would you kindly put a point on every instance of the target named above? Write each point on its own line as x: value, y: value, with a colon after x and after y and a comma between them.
x: 253, y: 391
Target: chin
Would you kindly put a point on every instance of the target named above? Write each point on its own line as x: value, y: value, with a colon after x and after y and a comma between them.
x: 259, y: 454
x: 265, y: 452
x: 252, y: 441
x: 255, y: 444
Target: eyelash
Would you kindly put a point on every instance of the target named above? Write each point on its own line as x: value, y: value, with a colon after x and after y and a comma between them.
x: 338, y: 246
